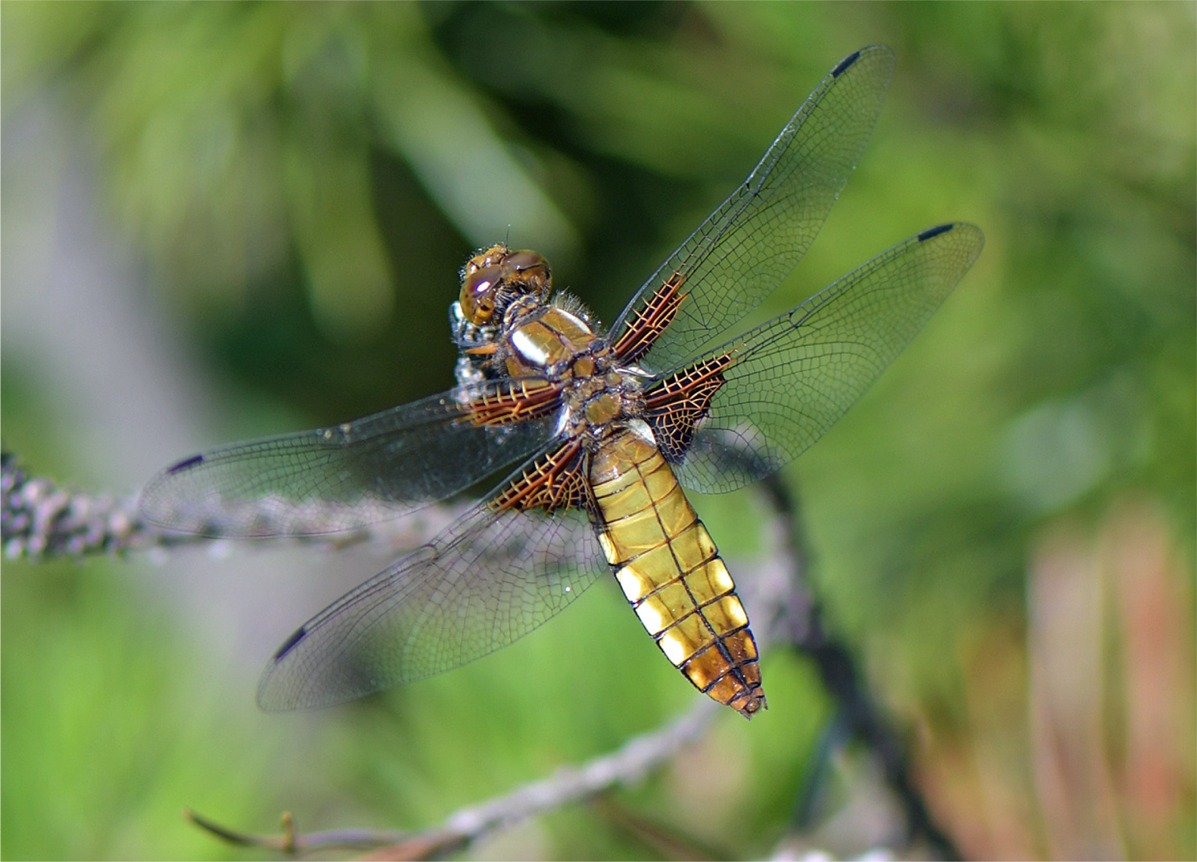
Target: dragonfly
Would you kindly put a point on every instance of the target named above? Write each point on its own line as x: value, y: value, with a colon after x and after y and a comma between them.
x: 591, y: 436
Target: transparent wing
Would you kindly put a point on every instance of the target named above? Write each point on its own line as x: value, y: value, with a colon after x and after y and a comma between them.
x: 793, y: 377
x: 342, y: 477
x: 754, y: 239
x: 490, y: 578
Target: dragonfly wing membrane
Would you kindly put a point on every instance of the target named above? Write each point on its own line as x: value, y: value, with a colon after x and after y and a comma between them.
x: 744, y: 249
x: 791, y: 378
x: 490, y: 578
x: 342, y: 477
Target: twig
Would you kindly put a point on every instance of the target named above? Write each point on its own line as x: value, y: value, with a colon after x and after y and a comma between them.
x: 800, y: 623
x: 629, y: 764
x: 40, y: 521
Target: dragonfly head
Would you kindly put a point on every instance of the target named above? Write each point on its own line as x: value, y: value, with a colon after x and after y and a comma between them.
x: 496, y: 276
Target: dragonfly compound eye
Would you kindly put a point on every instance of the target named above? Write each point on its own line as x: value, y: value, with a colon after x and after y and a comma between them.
x: 478, y: 290
x: 531, y: 270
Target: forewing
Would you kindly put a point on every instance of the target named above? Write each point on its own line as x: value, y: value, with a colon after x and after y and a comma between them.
x: 751, y: 242
x: 490, y: 578
x: 783, y: 384
x: 346, y: 476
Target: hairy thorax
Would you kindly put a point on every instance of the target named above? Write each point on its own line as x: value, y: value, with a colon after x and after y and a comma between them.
x: 550, y: 338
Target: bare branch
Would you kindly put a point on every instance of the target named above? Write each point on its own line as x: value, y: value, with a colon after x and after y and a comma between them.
x: 627, y: 765
x: 39, y: 520
x: 799, y: 623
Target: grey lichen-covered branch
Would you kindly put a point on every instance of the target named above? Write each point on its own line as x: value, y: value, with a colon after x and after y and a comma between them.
x: 39, y: 520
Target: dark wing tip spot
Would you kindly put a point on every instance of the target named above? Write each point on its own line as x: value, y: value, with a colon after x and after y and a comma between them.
x: 932, y: 232
x: 186, y: 464
x: 290, y: 643
x: 845, y: 64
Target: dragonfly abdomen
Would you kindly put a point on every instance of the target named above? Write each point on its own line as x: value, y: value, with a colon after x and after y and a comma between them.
x: 671, y: 572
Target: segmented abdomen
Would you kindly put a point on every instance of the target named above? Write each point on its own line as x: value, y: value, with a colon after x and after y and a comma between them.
x: 671, y: 572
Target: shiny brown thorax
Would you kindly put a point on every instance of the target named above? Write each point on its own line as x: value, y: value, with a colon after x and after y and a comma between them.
x: 510, y: 326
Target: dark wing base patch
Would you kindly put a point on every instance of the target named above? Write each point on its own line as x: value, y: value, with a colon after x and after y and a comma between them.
x: 556, y: 480
x: 650, y: 320
x: 676, y: 405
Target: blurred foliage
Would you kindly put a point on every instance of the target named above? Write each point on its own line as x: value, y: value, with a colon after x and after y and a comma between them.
x: 298, y: 184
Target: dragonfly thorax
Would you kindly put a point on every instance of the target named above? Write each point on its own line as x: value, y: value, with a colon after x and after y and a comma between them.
x: 560, y: 343
x: 598, y: 404
x: 538, y: 335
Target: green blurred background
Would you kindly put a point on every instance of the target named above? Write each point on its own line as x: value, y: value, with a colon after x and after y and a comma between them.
x: 229, y: 220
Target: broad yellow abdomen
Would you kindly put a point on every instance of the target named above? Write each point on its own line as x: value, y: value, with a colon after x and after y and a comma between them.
x: 671, y: 572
